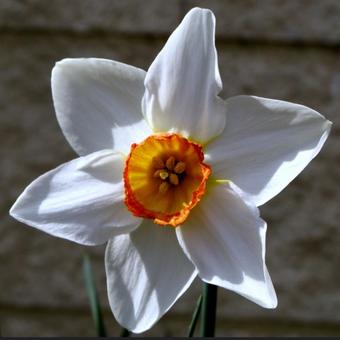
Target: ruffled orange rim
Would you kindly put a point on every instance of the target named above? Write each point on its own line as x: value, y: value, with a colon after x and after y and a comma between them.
x: 141, y: 195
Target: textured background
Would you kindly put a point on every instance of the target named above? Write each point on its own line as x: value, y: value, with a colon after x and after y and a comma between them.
x: 287, y: 50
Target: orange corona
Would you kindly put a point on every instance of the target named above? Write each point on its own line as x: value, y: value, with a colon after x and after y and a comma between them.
x: 164, y: 178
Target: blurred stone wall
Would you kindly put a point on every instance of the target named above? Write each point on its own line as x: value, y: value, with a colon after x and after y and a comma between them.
x: 284, y: 49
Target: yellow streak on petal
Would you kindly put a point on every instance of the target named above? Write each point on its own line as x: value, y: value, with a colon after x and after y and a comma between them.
x: 222, y: 181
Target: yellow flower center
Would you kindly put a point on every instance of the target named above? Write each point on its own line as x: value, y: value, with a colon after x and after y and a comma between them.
x: 164, y: 178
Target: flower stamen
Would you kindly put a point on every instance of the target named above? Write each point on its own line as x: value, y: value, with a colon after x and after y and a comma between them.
x: 164, y: 178
x: 179, y: 168
x: 158, y: 162
x: 157, y: 173
x: 164, y: 187
x: 163, y: 174
x: 173, y: 179
x: 170, y: 163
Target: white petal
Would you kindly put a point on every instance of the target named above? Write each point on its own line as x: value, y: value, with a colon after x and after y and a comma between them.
x: 266, y: 144
x: 146, y: 273
x: 82, y: 200
x: 98, y: 104
x: 183, y: 82
x: 225, y: 239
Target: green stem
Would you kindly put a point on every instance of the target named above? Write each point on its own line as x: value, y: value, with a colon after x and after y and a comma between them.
x: 125, y: 333
x: 195, y: 316
x: 209, y: 310
x: 93, y: 297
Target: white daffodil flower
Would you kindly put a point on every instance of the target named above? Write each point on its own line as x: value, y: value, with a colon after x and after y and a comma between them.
x: 169, y: 174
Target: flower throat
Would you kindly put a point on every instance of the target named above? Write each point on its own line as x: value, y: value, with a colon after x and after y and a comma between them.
x: 164, y: 178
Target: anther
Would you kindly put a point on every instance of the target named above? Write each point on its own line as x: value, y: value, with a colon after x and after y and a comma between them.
x: 180, y: 167
x: 158, y: 163
x: 163, y: 188
x: 170, y: 163
x: 156, y: 174
x: 163, y: 174
x: 173, y: 178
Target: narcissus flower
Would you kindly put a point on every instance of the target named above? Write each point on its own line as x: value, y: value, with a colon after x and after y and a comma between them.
x: 169, y: 174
